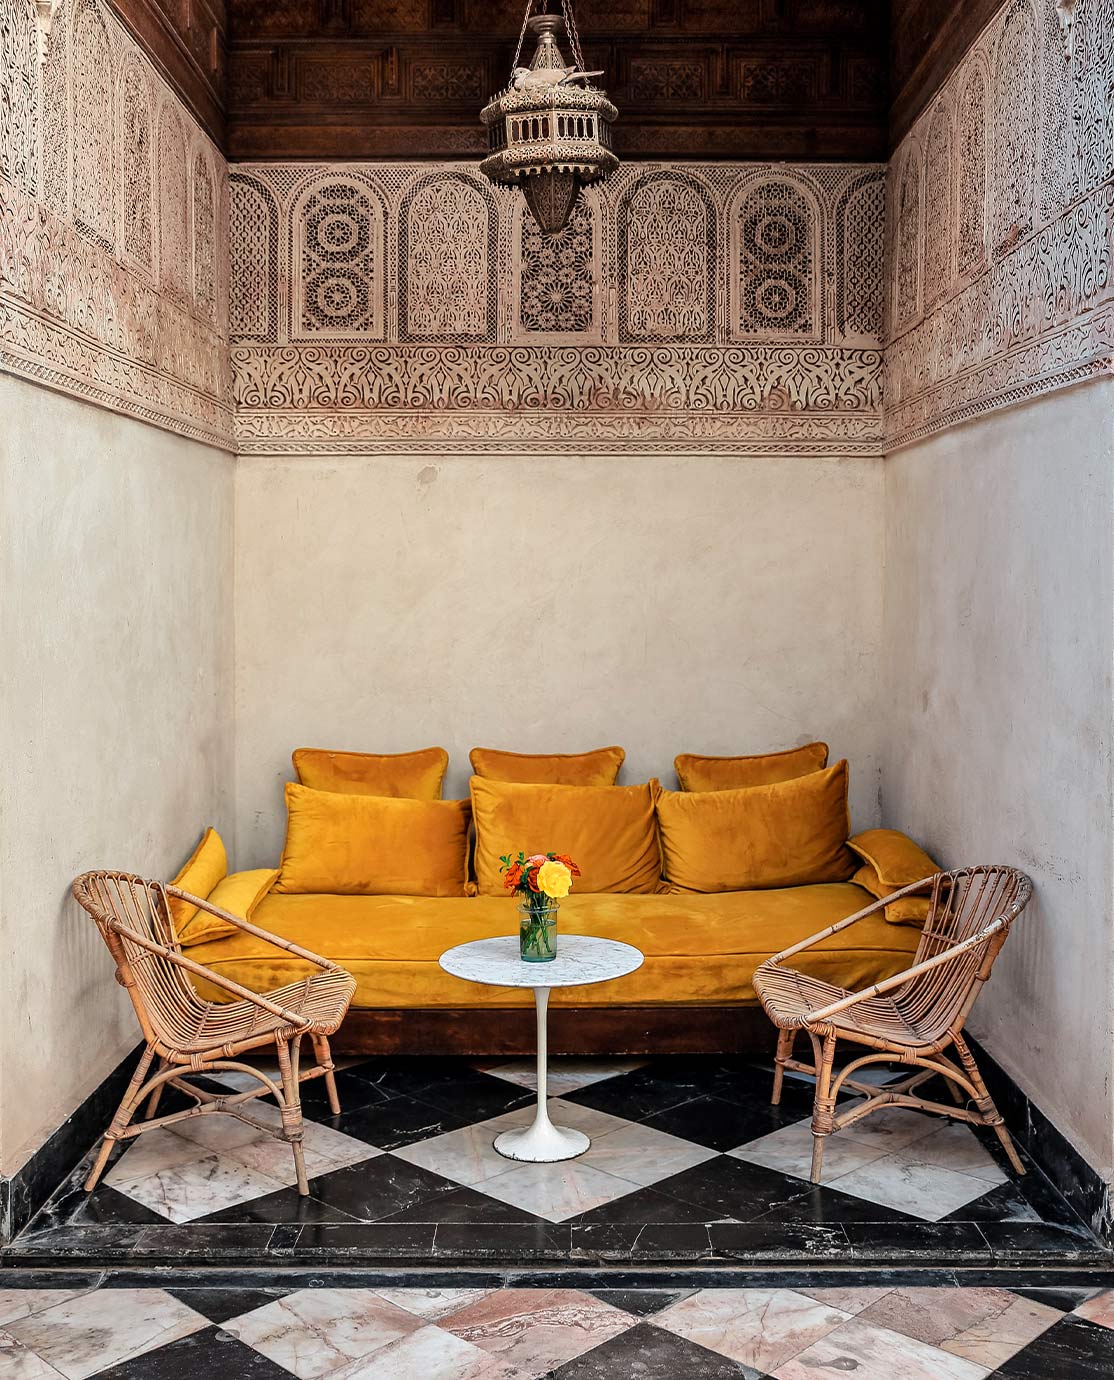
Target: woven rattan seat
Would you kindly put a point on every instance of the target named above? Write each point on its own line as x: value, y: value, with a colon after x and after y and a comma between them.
x: 184, y: 1032
x: 911, y: 1018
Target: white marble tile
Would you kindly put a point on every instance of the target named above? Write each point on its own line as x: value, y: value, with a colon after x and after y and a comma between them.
x: 587, y: 1119
x: 316, y: 1332
x: 760, y: 1328
x: 429, y: 1354
x: 220, y: 1133
x: 922, y: 1190
x: 432, y: 1303
x: 466, y: 1156
x: 188, y: 1191
x: 21, y: 1303
x: 563, y: 1075
x: 556, y: 1191
x: 1099, y: 1309
x: 151, y: 1152
x: 889, y: 1128
x: 643, y: 1155
x: 101, y: 1328
x: 955, y: 1146
x: 17, y: 1362
x: 244, y: 1082
x: 790, y: 1151
x: 874, y: 1353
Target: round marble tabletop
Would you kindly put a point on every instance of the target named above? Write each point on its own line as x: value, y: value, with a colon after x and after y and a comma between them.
x: 580, y: 959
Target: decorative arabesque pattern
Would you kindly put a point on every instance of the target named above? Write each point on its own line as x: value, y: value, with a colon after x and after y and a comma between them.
x: 338, y: 263
x: 667, y: 242
x: 82, y: 226
x: 938, y: 240
x: 860, y: 213
x: 558, y: 274
x: 907, y: 256
x: 447, y: 244
x: 1027, y: 303
x: 776, y: 263
x: 253, y: 235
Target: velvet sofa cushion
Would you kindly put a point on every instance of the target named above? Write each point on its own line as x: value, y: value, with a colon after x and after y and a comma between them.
x: 699, y: 949
x: 891, y: 860
x: 791, y: 833
x: 600, y: 767
x: 239, y: 893
x: 406, y: 775
x: 373, y: 845
x: 609, y: 831
x: 700, y: 773
x: 199, y: 874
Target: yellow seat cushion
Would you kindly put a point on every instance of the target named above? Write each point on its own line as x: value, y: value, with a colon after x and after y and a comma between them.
x: 700, y: 950
x: 608, y: 831
x: 373, y: 845
x: 202, y: 870
x: 892, y: 861
x: 599, y: 767
x: 238, y: 893
x: 700, y: 773
x: 792, y: 833
x: 407, y: 775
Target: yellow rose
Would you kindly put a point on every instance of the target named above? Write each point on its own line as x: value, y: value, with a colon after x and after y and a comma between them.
x: 554, y: 879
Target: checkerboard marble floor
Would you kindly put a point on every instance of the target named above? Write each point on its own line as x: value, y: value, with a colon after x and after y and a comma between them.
x: 880, y: 1333
x: 688, y: 1162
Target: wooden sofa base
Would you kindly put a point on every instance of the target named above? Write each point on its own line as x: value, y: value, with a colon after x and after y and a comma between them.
x: 572, y: 1030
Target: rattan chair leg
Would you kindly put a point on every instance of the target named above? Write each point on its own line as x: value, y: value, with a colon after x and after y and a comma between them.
x: 985, y: 1103
x: 124, y: 1114
x: 292, y: 1106
x: 325, y: 1060
x: 156, y: 1097
x: 785, y: 1041
x: 823, y: 1112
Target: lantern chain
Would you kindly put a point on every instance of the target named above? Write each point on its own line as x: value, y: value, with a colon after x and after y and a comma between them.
x: 570, y: 30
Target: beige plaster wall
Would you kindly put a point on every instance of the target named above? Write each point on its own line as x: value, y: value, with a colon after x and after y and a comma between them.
x: 999, y: 598
x: 664, y: 603
x: 116, y: 724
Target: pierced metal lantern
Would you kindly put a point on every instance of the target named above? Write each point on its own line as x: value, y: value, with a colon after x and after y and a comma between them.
x: 550, y: 129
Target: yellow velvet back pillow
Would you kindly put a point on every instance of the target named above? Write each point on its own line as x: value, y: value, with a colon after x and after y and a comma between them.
x: 367, y: 845
x: 791, y: 833
x: 597, y: 768
x: 239, y: 893
x: 404, y: 775
x: 892, y: 861
x: 205, y: 867
x: 608, y: 831
x: 696, y: 773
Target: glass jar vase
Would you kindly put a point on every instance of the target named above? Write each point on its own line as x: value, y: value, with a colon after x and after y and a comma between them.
x: 537, y: 929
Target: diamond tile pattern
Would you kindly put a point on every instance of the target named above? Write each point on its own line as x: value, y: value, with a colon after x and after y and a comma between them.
x: 452, y: 1333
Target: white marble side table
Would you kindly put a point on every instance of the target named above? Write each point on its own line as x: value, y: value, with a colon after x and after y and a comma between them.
x: 580, y: 959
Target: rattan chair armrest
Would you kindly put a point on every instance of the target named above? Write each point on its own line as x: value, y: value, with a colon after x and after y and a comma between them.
x: 199, y: 970
x: 900, y: 979
x: 804, y: 944
x: 325, y: 964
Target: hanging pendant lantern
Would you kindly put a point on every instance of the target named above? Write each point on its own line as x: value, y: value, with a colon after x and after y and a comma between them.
x: 550, y: 129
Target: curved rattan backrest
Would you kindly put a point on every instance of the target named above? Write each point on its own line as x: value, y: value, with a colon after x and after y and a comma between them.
x: 966, y: 903
x: 124, y: 905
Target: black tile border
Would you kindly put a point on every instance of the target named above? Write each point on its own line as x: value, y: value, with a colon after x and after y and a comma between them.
x: 25, y: 1192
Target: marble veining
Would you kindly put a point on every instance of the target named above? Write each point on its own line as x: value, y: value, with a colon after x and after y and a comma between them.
x: 758, y: 1327
x: 580, y: 959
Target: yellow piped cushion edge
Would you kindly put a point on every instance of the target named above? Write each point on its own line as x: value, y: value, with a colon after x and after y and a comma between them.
x: 239, y: 893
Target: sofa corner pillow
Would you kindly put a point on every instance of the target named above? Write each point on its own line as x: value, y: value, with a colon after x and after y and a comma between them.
x: 701, y: 773
x: 891, y: 860
x: 599, y: 767
x: 790, y: 833
x: 403, y: 775
x: 368, y: 845
x: 609, y: 831
x: 239, y: 893
x: 199, y: 874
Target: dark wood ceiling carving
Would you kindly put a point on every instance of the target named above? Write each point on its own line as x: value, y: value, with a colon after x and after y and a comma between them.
x: 927, y: 40
x: 187, y: 40
x: 693, y: 78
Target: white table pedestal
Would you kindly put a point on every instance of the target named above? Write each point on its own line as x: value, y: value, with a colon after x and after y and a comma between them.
x: 541, y: 1142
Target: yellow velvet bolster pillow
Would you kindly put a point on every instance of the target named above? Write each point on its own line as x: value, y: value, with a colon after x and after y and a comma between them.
x: 599, y: 767
x: 404, y: 775
x: 238, y: 893
x: 205, y: 867
x: 608, y: 831
x: 891, y: 861
x: 791, y: 833
x: 696, y: 773
x: 368, y: 845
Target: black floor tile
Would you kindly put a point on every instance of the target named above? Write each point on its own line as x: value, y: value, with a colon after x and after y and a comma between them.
x: 765, y: 1239
x: 650, y: 1353
x: 1024, y: 1238
x: 514, y: 1243
x: 462, y: 1205
x: 641, y: 1302
x: 477, y: 1096
x: 1021, y: 1199
x: 353, y: 1093
x: 730, y: 1190
x: 285, y: 1205
x: 639, y: 1094
x: 721, y: 1124
x: 211, y: 1354
x: 218, y: 1305
x: 368, y: 1240
x: 195, y: 1242
x: 663, y: 1242
x: 104, y: 1205
x: 1071, y: 1349
x: 644, y: 1205
x: 1064, y: 1297
x: 931, y: 1240
x: 819, y: 1205
x: 401, y: 1121
x: 378, y: 1188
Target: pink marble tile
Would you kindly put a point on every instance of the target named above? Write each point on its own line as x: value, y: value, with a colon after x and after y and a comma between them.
x: 537, y: 1329
x: 1099, y: 1310
x: 758, y: 1327
x: 984, y: 1325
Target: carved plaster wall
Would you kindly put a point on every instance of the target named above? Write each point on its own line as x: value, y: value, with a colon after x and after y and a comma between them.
x: 999, y: 247
x: 727, y: 307
x: 113, y: 226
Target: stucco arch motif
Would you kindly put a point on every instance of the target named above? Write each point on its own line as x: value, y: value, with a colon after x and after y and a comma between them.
x: 94, y: 152
x: 906, y: 292
x: 1014, y: 104
x: 173, y: 240
x: 939, y: 201
x: 971, y: 171
x: 860, y: 216
x: 203, y: 238
x: 136, y: 166
x: 253, y: 240
x: 338, y: 262
x: 775, y: 253
x: 557, y: 275
x: 447, y: 236
x: 19, y: 96
x: 667, y: 237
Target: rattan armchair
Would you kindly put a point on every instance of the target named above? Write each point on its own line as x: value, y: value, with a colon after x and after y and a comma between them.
x: 911, y: 1018
x: 185, y: 1033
